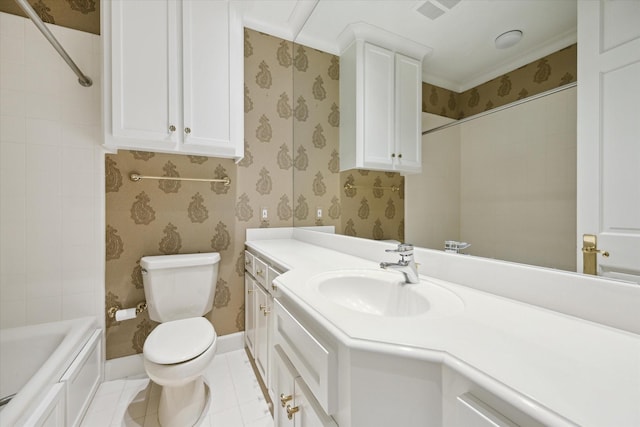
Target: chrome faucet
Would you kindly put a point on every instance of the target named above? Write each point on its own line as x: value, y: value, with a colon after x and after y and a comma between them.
x: 406, y: 265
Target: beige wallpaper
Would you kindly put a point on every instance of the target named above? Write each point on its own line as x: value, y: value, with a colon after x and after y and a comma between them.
x: 83, y: 15
x: 152, y: 217
x: 546, y: 73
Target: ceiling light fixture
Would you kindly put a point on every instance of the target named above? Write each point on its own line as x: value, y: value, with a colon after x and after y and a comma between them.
x: 508, y: 39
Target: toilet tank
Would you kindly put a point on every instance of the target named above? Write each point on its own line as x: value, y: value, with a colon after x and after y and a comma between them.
x: 179, y: 286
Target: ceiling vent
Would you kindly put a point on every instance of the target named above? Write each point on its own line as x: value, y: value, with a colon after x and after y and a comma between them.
x: 433, y: 9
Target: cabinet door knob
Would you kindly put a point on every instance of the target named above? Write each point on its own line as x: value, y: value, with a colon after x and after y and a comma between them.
x: 260, y: 273
x: 393, y: 155
x: 399, y: 156
x: 249, y: 291
x: 274, y: 287
x: 291, y: 411
x: 187, y: 130
x: 263, y: 306
x: 172, y: 128
x: 284, y: 399
x: 266, y: 312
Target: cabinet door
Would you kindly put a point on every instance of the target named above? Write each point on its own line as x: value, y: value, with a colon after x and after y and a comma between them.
x: 408, y: 102
x: 309, y: 414
x: 283, y: 387
x: 262, y: 341
x: 378, y: 106
x: 211, y: 72
x: 250, y: 313
x: 144, y: 74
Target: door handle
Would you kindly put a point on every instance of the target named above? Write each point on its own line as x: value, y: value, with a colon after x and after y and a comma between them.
x: 589, y: 254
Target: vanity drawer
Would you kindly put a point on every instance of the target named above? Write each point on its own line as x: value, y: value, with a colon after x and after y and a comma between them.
x: 249, y: 262
x: 315, y: 361
x: 260, y: 269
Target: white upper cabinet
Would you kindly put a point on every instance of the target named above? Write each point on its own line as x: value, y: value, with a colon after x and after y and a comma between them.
x: 380, y: 109
x: 173, y: 75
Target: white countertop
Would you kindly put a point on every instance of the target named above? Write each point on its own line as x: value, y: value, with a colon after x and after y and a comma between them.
x: 583, y: 371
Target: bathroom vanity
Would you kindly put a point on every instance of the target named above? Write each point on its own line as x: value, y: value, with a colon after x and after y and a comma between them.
x: 467, y: 346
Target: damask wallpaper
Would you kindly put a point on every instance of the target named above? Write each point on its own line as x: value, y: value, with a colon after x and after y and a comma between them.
x: 83, y: 15
x: 549, y: 72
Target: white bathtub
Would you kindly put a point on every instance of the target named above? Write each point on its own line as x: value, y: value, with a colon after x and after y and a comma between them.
x: 54, y: 370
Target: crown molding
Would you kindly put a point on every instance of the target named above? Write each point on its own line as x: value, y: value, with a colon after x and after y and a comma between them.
x: 383, y: 38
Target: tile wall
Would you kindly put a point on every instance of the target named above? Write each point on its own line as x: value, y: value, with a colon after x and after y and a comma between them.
x: 51, y: 194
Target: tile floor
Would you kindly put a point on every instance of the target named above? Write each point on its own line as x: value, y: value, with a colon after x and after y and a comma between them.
x: 237, y: 400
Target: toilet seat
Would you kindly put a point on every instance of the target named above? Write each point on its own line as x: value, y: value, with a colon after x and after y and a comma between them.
x: 179, y: 340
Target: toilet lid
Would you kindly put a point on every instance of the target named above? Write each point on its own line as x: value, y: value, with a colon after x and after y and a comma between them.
x: 179, y: 340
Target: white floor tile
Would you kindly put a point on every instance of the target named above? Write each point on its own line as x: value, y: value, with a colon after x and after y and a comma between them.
x: 237, y: 400
x: 254, y: 410
x: 265, y: 421
x: 230, y: 417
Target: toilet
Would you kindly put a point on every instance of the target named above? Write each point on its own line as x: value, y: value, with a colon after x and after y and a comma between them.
x: 179, y: 290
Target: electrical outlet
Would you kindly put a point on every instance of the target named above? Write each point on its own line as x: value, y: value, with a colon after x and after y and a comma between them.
x: 318, y: 213
x: 264, y: 214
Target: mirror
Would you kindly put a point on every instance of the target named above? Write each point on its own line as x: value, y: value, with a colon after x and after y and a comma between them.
x: 504, y: 182
x: 373, y: 207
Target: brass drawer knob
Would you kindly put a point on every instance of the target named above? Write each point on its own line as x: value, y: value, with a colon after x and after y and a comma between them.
x: 172, y: 128
x: 291, y: 411
x: 284, y: 399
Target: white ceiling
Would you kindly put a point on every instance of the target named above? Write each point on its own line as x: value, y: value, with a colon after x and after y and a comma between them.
x: 462, y: 39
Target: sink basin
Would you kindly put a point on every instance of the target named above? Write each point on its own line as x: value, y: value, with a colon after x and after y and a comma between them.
x: 374, y: 292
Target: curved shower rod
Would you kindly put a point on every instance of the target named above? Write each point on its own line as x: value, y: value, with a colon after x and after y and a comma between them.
x: 26, y: 7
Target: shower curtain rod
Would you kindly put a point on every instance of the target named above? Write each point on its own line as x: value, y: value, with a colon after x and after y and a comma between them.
x: 502, y: 107
x: 26, y: 7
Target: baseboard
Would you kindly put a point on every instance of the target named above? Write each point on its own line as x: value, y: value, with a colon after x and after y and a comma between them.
x: 122, y: 367
x: 230, y: 342
x: 130, y: 366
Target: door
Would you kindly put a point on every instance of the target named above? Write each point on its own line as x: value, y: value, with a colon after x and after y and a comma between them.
x: 283, y: 377
x: 310, y: 413
x: 262, y: 338
x: 408, y: 126
x: 250, y: 313
x: 378, y: 106
x: 144, y: 106
x: 608, y: 193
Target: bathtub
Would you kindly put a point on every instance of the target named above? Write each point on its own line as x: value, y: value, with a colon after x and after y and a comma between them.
x: 54, y: 369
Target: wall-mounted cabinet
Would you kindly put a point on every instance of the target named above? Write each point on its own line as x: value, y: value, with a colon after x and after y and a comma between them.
x: 173, y: 76
x: 380, y: 109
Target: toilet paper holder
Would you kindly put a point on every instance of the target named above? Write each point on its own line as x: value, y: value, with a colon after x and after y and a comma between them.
x: 140, y: 307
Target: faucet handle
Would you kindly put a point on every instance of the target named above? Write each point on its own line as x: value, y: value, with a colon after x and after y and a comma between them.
x: 403, y: 248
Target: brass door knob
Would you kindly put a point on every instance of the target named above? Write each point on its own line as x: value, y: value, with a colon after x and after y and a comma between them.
x: 187, y: 130
x: 284, y: 399
x: 172, y: 128
x: 291, y: 411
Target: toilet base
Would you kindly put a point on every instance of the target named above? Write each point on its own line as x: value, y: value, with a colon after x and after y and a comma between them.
x: 184, y: 405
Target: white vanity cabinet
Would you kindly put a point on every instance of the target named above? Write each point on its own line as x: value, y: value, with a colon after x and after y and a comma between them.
x: 259, y: 294
x: 173, y: 76
x: 380, y: 109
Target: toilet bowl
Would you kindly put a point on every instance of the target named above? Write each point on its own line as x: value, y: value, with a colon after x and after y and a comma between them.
x: 176, y: 354
x: 179, y: 290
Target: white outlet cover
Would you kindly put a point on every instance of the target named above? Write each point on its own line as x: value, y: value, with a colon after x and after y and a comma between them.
x: 264, y: 214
